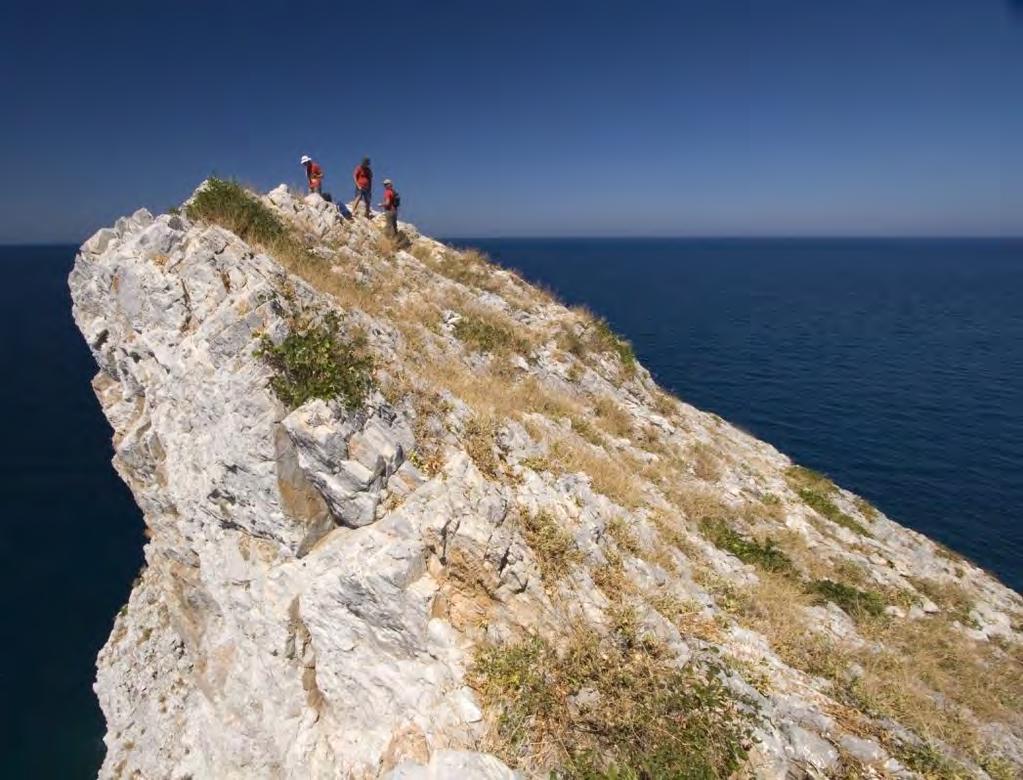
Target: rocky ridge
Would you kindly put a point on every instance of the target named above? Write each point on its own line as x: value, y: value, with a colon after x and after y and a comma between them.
x: 336, y: 591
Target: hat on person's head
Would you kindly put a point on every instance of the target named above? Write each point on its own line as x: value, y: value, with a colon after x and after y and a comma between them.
x: 387, y: 181
x: 305, y: 158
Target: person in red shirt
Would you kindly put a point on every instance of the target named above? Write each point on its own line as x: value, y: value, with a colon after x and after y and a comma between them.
x: 363, y: 178
x: 390, y: 205
x: 313, y: 174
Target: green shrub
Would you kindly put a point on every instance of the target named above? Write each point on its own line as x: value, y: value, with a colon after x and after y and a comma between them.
x: 767, y: 555
x: 228, y: 204
x: 316, y: 360
x: 856, y: 603
x: 640, y: 715
x: 553, y: 547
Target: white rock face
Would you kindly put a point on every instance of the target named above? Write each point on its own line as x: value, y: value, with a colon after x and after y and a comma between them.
x: 315, y: 590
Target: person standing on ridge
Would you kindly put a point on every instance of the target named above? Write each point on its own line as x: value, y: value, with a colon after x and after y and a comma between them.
x: 313, y: 174
x: 390, y: 205
x: 363, y: 178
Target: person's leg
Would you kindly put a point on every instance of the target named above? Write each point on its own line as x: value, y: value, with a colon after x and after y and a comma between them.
x: 367, y: 196
x: 392, y: 223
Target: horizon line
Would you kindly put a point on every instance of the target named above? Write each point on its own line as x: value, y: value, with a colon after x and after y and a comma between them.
x: 652, y: 237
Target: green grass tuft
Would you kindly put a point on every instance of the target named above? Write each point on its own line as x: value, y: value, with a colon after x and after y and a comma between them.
x: 767, y: 556
x: 816, y: 490
x: 856, y: 603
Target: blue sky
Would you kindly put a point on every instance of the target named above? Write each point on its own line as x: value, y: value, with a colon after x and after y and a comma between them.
x: 720, y: 117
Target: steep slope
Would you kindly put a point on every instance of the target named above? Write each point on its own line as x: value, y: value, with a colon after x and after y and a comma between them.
x: 457, y: 528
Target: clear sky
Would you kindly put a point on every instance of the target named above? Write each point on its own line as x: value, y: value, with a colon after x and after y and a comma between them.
x: 710, y: 117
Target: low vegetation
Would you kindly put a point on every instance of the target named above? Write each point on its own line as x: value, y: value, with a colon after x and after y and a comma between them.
x: 479, y: 441
x: 817, y: 492
x: 618, y: 530
x: 554, y: 549
x: 609, y: 341
x: 592, y: 334
x: 924, y: 674
x: 488, y: 334
x: 469, y: 266
x: 316, y: 359
x: 706, y: 463
x: 766, y: 555
x: 951, y: 598
x: 228, y: 204
x: 615, y: 706
x: 854, y: 602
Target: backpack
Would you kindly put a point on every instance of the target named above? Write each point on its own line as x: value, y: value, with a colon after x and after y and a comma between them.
x: 396, y: 200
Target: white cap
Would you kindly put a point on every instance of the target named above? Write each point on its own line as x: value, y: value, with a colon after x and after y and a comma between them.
x: 388, y: 181
x: 305, y: 158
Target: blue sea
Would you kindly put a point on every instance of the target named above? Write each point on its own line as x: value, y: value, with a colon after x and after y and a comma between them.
x: 896, y: 367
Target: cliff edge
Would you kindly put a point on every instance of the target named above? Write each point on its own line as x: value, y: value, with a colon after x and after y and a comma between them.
x: 409, y: 516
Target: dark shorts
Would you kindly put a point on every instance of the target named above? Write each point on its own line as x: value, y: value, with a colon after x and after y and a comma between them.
x: 363, y: 195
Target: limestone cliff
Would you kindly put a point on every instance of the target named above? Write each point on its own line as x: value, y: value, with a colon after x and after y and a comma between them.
x: 513, y: 554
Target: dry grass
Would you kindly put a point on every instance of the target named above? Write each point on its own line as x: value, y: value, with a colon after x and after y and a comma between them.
x: 688, y: 617
x: 610, y: 576
x: 949, y: 596
x: 698, y: 503
x: 671, y: 534
x: 609, y: 477
x: 491, y: 332
x: 622, y: 535
x: 587, y: 335
x: 665, y: 404
x: 490, y: 393
x: 922, y: 673
x: 612, y: 417
x: 428, y: 426
x: 553, y: 547
x: 936, y: 682
x: 474, y: 269
x: 614, y: 706
x: 774, y: 607
x: 480, y: 441
x: 706, y: 462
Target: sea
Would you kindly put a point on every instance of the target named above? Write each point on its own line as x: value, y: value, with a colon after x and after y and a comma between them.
x: 895, y: 367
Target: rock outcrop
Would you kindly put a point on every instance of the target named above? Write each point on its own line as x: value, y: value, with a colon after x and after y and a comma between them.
x: 320, y: 581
